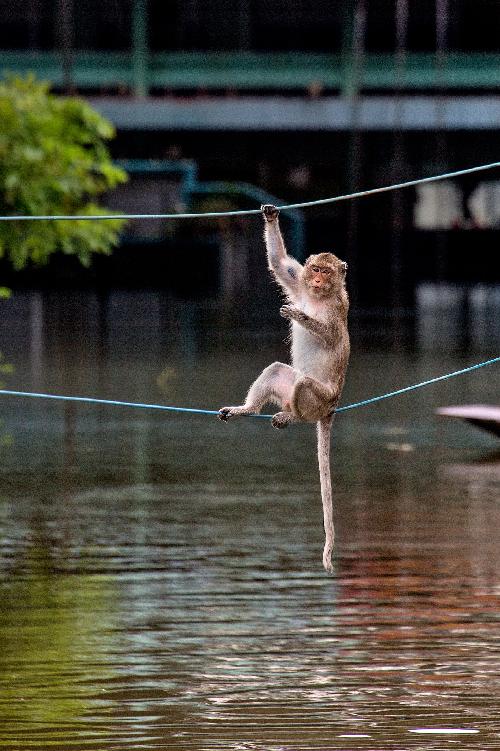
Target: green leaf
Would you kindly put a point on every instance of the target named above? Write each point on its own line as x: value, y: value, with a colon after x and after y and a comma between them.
x: 53, y: 160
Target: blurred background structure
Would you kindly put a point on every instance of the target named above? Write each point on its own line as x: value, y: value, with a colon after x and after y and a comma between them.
x: 302, y: 99
x: 160, y: 577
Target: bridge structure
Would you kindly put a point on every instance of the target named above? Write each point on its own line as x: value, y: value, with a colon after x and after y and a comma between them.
x: 277, y: 91
x: 255, y: 72
x: 392, y: 90
x: 223, y: 81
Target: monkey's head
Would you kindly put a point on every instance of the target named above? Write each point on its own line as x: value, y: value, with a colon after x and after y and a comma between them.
x: 323, y: 274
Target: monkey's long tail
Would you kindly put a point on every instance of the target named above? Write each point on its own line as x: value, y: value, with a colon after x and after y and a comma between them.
x: 323, y: 431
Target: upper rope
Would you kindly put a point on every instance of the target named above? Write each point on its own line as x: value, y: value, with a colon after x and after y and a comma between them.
x: 245, y: 212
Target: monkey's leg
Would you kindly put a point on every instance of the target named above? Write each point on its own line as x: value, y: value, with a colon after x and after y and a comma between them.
x: 312, y: 400
x: 275, y: 384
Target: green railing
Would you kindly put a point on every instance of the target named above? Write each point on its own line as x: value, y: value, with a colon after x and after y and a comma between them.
x: 139, y: 72
x: 251, y: 196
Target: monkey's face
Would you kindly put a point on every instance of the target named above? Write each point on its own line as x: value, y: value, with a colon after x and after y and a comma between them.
x: 323, y: 274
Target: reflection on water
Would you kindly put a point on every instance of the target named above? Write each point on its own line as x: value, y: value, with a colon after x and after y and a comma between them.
x: 160, y: 575
x: 53, y: 629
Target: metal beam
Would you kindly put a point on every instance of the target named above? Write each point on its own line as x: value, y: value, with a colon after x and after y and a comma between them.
x: 299, y: 113
x: 140, y: 47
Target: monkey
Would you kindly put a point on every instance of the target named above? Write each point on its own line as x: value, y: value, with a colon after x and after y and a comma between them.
x: 309, y: 389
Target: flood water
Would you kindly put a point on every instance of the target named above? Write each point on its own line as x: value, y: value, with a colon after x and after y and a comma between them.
x: 161, y: 584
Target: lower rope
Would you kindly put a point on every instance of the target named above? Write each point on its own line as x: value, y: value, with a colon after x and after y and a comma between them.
x: 165, y: 408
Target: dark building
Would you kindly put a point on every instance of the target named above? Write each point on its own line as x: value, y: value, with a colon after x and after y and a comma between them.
x: 304, y: 100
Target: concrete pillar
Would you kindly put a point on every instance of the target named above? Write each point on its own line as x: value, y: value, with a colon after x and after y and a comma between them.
x: 140, y: 48
x: 65, y: 37
x: 353, y: 46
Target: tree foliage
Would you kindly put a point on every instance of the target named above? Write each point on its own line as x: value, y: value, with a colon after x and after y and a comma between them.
x: 53, y: 160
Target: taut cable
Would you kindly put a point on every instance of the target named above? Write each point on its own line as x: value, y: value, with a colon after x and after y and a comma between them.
x: 247, y: 212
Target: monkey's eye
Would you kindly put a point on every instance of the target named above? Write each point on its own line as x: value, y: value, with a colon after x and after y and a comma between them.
x: 315, y: 269
x: 326, y: 271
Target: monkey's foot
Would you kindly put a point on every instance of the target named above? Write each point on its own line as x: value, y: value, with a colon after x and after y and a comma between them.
x: 225, y: 413
x: 270, y: 212
x: 281, y: 420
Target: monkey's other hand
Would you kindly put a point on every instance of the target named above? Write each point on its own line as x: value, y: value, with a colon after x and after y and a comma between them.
x: 290, y: 312
x: 270, y: 212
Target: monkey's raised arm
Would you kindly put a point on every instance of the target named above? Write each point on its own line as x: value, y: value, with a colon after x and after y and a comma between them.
x: 284, y: 267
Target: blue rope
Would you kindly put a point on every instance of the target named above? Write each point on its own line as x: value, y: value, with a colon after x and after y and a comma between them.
x: 418, y: 385
x: 336, y: 199
x: 139, y: 405
x: 90, y: 400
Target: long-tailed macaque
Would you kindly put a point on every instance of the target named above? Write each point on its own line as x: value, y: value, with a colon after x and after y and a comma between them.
x: 308, y: 390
